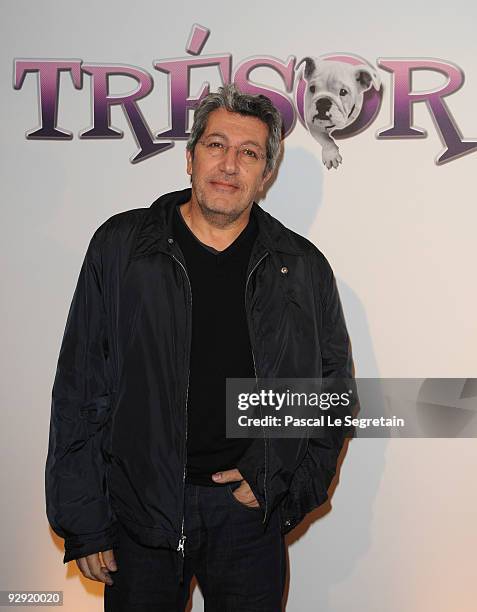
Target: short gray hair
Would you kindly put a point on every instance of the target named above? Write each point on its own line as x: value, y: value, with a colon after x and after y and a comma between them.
x: 233, y: 100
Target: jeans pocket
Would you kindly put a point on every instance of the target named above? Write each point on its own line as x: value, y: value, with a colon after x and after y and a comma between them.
x: 230, y: 491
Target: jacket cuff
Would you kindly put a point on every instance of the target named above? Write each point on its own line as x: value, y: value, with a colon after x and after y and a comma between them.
x: 88, y: 544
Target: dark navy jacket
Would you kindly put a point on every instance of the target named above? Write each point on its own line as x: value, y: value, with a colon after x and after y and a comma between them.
x: 117, y: 446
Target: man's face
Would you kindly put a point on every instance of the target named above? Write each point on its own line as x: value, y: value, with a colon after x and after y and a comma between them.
x: 225, y: 186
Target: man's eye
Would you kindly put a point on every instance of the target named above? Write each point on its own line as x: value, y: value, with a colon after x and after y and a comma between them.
x: 249, y: 153
x: 215, y: 145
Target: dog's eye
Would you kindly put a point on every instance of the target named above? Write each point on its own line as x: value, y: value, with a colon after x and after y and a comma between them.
x: 343, y: 92
x: 312, y: 88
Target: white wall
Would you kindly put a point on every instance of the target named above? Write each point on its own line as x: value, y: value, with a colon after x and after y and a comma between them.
x: 398, y: 230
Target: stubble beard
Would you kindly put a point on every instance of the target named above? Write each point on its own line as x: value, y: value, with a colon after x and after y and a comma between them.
x: 216, y: 215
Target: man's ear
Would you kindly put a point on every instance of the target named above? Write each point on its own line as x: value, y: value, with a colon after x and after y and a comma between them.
x: 265, y: 179
x: 189, y: 162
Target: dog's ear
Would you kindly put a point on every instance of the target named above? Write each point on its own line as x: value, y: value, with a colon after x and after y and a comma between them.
x: 367, y: 77
x: 310, y: 66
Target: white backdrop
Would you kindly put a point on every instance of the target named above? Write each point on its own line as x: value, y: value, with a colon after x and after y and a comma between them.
x: 398, y: 229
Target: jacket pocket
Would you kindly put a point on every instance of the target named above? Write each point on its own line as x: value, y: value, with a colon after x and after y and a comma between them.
x: 96, y: 414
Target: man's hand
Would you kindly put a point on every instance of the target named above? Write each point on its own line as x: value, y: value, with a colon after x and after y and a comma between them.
x: 91, y: 566
x: 243, y: 493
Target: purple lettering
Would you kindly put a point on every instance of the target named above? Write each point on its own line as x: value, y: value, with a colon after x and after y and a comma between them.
x: 285, y: 70
x: 404, y: 98
x: 48, y: 92
x: 180, y: 102
x: 102, y: 102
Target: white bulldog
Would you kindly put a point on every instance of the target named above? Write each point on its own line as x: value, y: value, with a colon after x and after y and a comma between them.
x: 333, y: 99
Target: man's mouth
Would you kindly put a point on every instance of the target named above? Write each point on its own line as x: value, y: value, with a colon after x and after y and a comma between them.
x: 222, y: 186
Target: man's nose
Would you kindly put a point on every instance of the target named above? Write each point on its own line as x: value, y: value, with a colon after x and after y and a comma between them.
x: 229, y: 162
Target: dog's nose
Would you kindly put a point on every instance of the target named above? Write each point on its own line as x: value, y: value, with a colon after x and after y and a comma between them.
x: 323, y: 105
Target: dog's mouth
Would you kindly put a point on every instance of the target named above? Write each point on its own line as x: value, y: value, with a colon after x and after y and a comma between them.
x: 327, y: 127
x: 318, y: 118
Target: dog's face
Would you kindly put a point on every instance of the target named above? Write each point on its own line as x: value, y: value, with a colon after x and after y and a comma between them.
x: 334, y: 92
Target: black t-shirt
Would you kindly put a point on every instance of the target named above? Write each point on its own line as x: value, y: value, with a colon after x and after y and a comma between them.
x: 220, y: 346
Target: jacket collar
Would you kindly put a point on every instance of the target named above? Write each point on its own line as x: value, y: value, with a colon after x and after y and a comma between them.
x: 155, y: 230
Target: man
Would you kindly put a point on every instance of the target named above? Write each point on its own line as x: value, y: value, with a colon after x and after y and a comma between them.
x: 141, y: 480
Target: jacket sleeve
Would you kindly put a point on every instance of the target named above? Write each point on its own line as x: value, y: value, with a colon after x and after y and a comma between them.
x: 313, y: 476
x: 77, y: 503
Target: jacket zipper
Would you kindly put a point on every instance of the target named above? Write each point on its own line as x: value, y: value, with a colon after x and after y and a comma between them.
x: 182, y: 539
x: 180, y: 545
x: 256, y: 379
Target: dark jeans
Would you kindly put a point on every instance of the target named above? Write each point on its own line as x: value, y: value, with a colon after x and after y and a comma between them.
x: 239, y: 568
